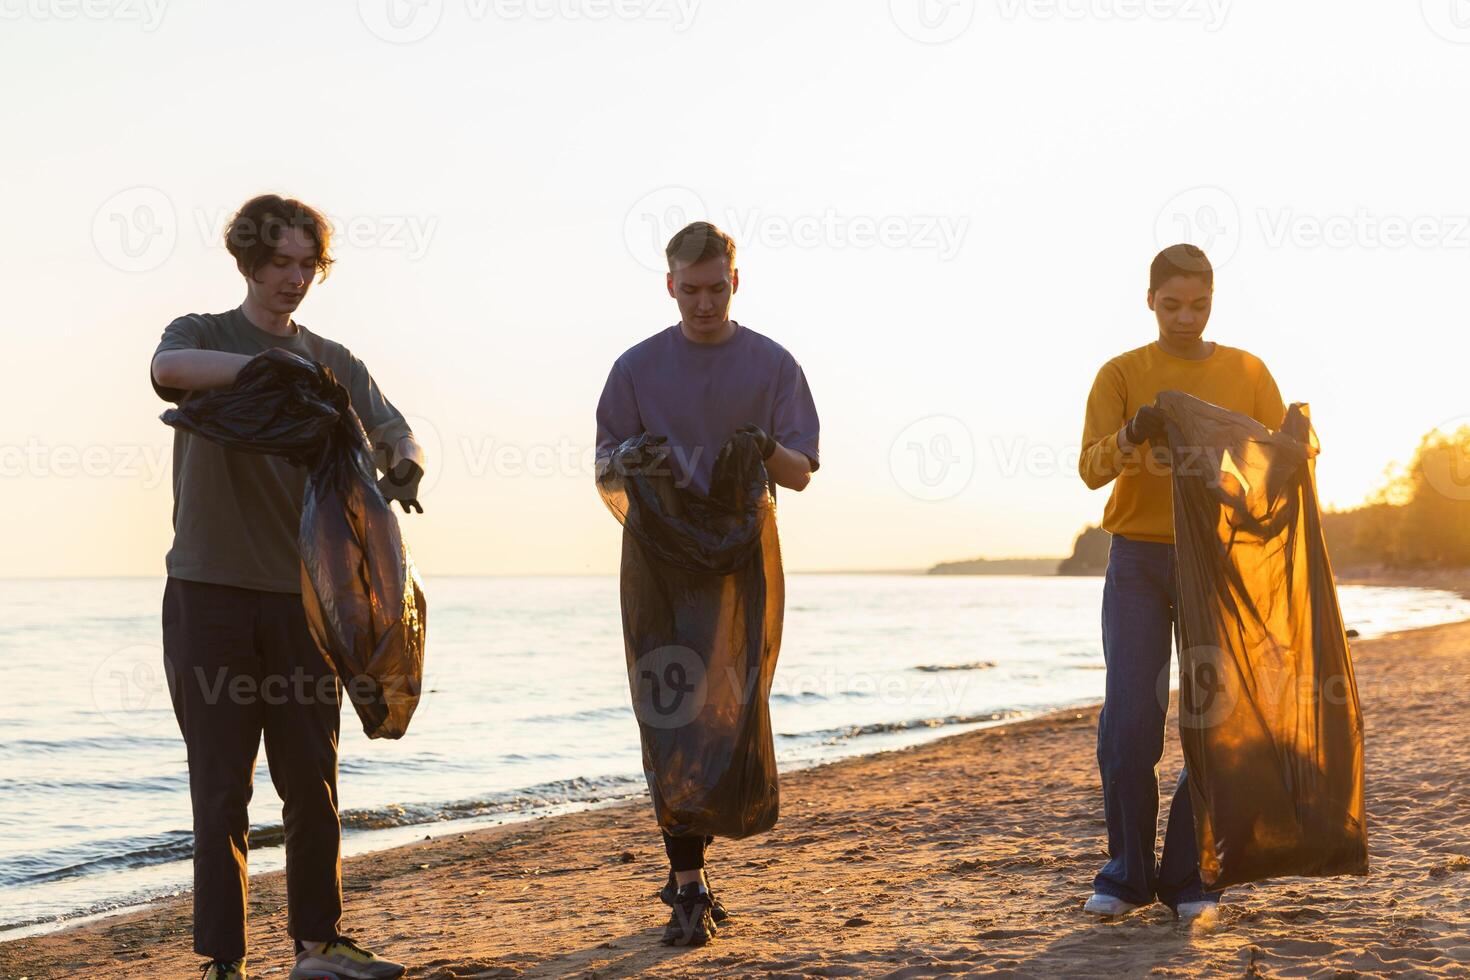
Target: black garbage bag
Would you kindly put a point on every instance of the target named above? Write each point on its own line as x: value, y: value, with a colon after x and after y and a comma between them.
x: 703, y: 596
x: 362, y: 595
x: 1269, y: 714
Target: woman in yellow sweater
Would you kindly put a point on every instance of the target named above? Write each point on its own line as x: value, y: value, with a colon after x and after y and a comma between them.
x: 1138, y: 609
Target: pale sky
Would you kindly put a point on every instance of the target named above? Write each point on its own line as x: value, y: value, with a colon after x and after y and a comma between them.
x: 945, y: 210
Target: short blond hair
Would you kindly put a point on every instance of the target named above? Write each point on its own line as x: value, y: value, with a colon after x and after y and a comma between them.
x: 697, y: 242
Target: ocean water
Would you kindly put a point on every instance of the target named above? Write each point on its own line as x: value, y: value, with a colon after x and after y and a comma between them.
x: 526, y: 710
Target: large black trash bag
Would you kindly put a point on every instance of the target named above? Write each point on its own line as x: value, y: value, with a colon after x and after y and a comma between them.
x: 703, y: 596
x: 1269, y: 714
x: 362, y: 595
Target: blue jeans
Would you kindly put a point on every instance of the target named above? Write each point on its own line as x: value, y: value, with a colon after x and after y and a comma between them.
x: 1138, y: 628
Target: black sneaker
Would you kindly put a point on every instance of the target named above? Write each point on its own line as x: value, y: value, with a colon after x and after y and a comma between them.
x: 690, y: 922
x: 223, y: 970
x: 717, y: 908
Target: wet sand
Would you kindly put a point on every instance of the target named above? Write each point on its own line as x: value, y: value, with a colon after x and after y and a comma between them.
x: 969, y: 855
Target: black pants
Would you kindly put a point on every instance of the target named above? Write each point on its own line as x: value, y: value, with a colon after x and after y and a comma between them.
x: 241, y: 663
x: 686, y: 853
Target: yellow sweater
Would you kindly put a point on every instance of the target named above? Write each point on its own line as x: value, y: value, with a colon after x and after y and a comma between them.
x: 1142, y: 505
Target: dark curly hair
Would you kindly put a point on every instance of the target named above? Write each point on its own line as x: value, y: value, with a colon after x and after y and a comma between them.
x: 261, y: 224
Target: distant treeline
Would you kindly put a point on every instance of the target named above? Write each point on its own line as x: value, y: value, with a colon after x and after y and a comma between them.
x: 1419, y: 519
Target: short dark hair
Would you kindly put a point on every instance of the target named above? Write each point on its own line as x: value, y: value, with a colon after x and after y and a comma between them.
x: 697, y: 242
x: 261, y: 224
x: 1180, y: 260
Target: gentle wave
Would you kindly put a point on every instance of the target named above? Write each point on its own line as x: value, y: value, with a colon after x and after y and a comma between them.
x: 135, y: 852
x: 108, y: 743
x: 844, y: 733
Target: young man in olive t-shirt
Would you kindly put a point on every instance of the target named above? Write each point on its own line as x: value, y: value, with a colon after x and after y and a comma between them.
x: 1140, y: 592
x: 239, y: 658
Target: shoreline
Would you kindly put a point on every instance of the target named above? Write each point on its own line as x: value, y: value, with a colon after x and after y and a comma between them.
x: 360, y: 843
x: 1455, y: 580
x: 967, y: 853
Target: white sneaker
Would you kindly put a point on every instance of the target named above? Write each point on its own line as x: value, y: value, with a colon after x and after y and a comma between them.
x: 1203, y: 911
x: 1107, y: 906
x: 343, y: 959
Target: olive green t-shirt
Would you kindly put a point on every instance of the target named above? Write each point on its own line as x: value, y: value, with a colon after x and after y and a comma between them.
x: 237, y: 515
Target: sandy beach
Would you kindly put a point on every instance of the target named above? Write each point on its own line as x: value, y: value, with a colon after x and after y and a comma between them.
x: 968, y: 855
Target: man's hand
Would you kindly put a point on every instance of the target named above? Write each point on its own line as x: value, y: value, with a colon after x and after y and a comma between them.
x: 1148, y: 424
x: 764, y: 443
x: 402, y: 484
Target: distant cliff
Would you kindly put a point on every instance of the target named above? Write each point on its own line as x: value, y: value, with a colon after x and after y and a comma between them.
x: 998, y: 566
x: 1089, y: 553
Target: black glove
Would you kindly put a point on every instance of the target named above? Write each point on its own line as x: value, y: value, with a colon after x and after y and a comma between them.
x: 1146, y: 425
x: 402, y: 484
x: 764, y: 443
